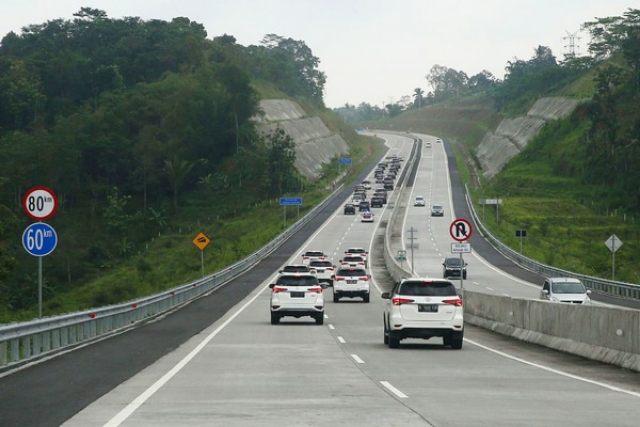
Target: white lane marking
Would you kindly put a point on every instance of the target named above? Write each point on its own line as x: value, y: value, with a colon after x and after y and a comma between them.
x: 393, y: 390
x: 506, y: 295
x: 332, y: 327
x: 491, y: 289
x: 145, y: 395
x: 555, y: 371
x: 342, y: 341
x: 356, y: 358
x: 326, y: 317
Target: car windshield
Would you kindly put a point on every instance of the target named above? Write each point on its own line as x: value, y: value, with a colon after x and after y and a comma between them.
x: 297, y: 281
x: 355, y: 251
x: 568, y: 288
x: 427, y: 289
x: 320, y: 264
x: 351, y: 273
x: 353, y: 259
x: 314, y: 253
x: 454, y: 262
x: 295, y: 268
x: 419, y: 198
x: 437, y: 207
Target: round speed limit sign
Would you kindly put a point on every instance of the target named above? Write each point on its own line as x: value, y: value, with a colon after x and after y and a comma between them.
x: 40, y: 203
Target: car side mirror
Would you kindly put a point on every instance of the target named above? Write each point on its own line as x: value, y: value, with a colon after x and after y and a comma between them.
x: 340, y: 260
x: 333, y: 276
x: 545, y: 291
x: 280, y: 271
x: 386, y: 295
x: 271, y: 286
x: 588, y: 291
x: 324, y: 285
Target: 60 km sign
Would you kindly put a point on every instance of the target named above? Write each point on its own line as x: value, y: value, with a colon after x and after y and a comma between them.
x: 39, y: 239
x: 40, y: 203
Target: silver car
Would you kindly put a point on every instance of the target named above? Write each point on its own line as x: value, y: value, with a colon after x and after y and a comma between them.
x: 565, y: 289
x: 437, y: 210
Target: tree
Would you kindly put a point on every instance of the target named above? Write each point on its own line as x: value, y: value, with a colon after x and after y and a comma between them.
x: 280, y: 164
x: 418, y: 94
x: 176, y: 171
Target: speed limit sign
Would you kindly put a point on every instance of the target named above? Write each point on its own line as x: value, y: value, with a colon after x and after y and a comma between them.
x: 40, y: 203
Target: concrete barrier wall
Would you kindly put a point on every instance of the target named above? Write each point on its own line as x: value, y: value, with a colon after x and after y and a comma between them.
x: 606, y: 334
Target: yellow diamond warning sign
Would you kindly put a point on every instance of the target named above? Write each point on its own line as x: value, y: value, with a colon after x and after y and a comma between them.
x: 201, y: 241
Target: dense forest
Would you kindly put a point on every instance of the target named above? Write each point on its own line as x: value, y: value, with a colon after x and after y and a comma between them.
x: 121, y: 117
x: 609, y: 146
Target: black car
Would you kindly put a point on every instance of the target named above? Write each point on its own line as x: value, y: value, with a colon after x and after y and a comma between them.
x: 349, y: 209
x: 377, y: 202
x: 388, y: 185
x: 364, y: 205
x: 452, y: 267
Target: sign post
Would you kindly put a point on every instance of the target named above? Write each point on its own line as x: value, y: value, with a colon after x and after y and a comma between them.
x: 201, y: 241
x: 460, y: 231
x: 613, y: 243
x: 289, y: 201
x: 521, y: 234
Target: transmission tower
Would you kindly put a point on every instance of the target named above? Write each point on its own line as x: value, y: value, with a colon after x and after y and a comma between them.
x: 570, y: 49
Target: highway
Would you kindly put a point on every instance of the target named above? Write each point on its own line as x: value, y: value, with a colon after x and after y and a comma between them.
x: 219, y: 361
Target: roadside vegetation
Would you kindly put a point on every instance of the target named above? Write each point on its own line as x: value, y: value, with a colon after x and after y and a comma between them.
x: 577, y: 181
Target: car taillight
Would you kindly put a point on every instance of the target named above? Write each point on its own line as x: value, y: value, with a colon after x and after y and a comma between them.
x: 338, y: 279
x: 456, y: 301
x: 365, y: 279
x: 277, y: 289
x: 400, y: 301
x: 330, y: 268
x: 317, y: 290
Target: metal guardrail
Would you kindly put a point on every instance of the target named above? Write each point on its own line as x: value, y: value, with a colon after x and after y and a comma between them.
x: 24, y: 341
x: 599, y: 285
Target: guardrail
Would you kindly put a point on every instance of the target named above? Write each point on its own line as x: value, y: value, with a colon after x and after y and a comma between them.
x: 25, y: 341
x: 599, y: 285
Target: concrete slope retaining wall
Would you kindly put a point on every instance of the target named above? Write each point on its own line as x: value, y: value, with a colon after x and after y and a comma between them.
x: 315, y: 143
x: 513, y: 135
x: 607, y: 334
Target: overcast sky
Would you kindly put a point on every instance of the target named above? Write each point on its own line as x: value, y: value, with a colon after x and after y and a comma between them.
x: 372, y: 51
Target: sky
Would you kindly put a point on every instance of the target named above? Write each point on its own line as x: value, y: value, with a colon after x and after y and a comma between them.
x: 373, y: 51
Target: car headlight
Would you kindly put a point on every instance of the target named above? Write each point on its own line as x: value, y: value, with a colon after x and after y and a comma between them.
x: 554, y: 298
x: 587, y: 301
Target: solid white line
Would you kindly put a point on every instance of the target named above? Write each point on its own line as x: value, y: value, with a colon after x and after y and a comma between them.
x: 393, y: 390
x: 342, y: 341
x: 555, y: 371
x: 331, y: 327
x: 142, y: 398
x: 491, y: 289
x: 357, y: 359
x: 506, y: 295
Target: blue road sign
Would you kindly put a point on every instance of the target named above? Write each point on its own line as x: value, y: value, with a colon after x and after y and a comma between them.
x: 287, y: 201
x: 39, y: 239
x: 345, y: 161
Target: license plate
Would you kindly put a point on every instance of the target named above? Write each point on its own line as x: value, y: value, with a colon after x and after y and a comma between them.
x: 428, y: 308
x: 352, y: 282
x: 297, y: 294
x: 320, y: 270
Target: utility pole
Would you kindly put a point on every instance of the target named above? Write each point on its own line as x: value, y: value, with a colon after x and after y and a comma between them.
x: 571, y: 52
x: 412, y: 239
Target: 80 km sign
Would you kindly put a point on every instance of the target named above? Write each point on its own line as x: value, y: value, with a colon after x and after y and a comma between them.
x: 40, y: 203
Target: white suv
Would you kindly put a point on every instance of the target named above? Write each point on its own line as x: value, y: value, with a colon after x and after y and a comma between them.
x: 358, y: 251
x: 323, y: 271
x: 353, y: 261
x: 297, y: 295
x: 351, y: 282
x: 309, y: 256
x: 423, y: 308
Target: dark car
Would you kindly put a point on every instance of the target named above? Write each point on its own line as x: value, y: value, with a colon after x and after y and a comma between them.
x: 388, y: 185
x: 349, y: 209
x: 382, y: 195
x: 437, y: 210
x: 453, y: 267
x: 364, y: 205
x: 377, y: 202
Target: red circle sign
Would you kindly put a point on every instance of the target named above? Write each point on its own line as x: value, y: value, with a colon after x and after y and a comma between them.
x: 460, y: 230
x: 40, y: 203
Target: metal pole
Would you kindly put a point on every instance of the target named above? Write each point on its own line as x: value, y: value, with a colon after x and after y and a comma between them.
x: 613, y: 257
x: 202, y: 261
x: 284, y: 222
x: 497, y: 216
x: 40, y: 287
x: 461, y: 272
x: 520, y: 242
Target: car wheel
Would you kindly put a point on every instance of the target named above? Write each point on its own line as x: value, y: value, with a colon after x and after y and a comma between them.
x: 456, y: 340
x: 275, y: 319
x: 320, y: 319
x: 464, y: 275
x: 336, y: 298
x: 394, y: 342
x: 446, y: 340
x: 366, y: 298
x: 386, y: 332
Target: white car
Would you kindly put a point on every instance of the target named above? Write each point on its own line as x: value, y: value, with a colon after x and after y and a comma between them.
x: 309, y: 256
x: 297, y: 295
x: 419, y: 201
x: 366, y: 184
x: 350, y: 282
x: 358, y: 251
x: 565, y: 289
x: 323, y: 270
x: 366, y: 217
x: 353, y: 260
x: 423, y: 308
